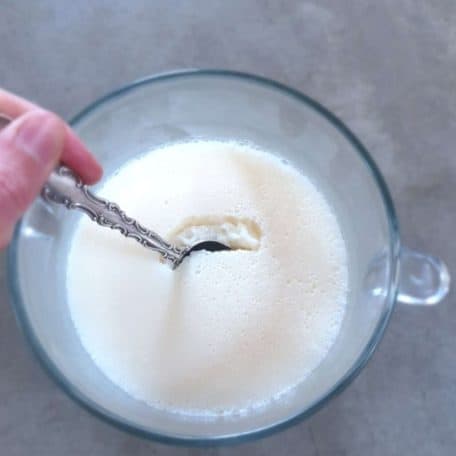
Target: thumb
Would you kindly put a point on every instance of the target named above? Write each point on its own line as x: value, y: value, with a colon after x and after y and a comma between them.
x: 30, y: 148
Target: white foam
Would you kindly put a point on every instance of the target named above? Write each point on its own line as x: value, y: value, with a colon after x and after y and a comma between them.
x: 226, y: 331
x: 234, y: 232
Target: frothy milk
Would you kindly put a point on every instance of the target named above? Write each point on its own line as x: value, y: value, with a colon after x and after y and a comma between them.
x: 227, y: 331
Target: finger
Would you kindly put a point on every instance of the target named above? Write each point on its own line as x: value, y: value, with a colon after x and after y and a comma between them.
x: 14, y: 106
x: 75, y: 155
x: 30, y: 147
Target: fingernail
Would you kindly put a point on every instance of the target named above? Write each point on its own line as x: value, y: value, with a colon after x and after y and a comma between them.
x: 41, y: 136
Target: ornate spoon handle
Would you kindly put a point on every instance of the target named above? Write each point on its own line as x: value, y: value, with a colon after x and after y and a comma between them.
x: 63, y: 187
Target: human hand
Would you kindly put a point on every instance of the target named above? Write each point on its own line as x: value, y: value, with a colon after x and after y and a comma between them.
x: 30, y: 148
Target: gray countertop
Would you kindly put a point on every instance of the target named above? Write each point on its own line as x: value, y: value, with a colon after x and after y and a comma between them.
x: 387, y: 68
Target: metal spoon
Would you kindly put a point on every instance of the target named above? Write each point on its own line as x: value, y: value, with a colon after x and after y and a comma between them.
x: 64, y: 187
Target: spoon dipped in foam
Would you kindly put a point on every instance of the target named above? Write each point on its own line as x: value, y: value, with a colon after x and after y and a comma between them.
x: 63, y: 187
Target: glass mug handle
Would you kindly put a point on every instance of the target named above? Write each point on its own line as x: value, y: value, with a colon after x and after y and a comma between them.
x: 423, y: 280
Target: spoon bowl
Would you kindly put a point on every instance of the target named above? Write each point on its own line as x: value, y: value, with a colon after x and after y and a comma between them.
x: 209, y: 246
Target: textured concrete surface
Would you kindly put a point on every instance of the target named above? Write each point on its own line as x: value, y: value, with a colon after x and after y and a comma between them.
x: 387, y: 68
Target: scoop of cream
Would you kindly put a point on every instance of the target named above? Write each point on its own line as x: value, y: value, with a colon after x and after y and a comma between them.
x: 234, y: 232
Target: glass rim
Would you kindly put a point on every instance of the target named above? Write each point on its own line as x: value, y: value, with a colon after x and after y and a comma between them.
x: 393, y: 257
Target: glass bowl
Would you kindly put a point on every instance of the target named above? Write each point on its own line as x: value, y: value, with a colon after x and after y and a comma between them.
x: 223, y: 105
